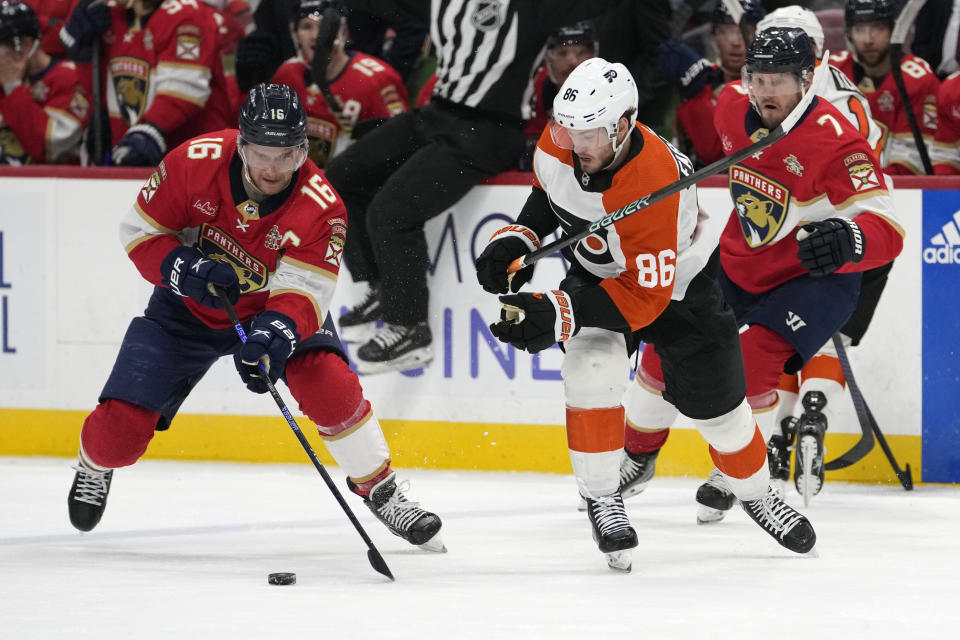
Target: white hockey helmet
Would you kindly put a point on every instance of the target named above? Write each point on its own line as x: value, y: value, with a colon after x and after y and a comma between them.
x: 595, y: 95
x: 798, y: 17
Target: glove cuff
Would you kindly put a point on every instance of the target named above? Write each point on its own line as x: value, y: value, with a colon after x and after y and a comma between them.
x: 526, y: 234
x: 280, y: 324
x: 565, y: 324
x: 153, y: 132
x: 68, y: 40
x: 856, y: 237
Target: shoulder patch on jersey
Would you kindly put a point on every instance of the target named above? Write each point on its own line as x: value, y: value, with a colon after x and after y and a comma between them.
x: 334, y: 251
x: 162, y: 168
x: 150, y: 187
x: 79, y: 105
x: 218, y: 245
x: 188, y: 47
x: 189, y: 29
x: 863, y: 175
x: 761, y: 205
x: 930, y: 112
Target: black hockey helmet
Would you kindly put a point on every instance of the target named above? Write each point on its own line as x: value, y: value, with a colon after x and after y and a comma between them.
x: 315, y: 8
x: 857, y: 11
x: 17, y: 20
x: 781, y: 49
x: 273, y: 116
x: 577, y: 33
x: 753, y: 12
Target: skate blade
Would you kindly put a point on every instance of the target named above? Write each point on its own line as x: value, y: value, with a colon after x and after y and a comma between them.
x: 709, y: 515
x: 434, y: 545
x: 621, y: 561
x: 634, y: 490
x: 413, y: 360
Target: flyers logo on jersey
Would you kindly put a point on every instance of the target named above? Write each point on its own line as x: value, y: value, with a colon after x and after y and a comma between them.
x: 130, y: 85
x: 219, y: 246
x: 862, y: 173
x: 761, y: 205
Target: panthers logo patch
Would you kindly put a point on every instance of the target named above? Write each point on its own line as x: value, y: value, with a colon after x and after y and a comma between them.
x: 761, y: 205
x: 220, y: 246
x: 131, y: 83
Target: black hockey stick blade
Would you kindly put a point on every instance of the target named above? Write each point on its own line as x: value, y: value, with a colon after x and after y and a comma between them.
x: 865, y: 443
x: 373, y: 555
x: 684, y: 182
x: 904, y: 475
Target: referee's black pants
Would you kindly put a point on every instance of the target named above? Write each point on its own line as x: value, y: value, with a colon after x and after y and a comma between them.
x: 411, y: 168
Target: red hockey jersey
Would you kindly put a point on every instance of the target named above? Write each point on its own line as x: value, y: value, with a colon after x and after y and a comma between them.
x: 323, y: 128
x: 286, y: 250
x: 822, y: 169
x: 946, y: 144
x: 695, y: 124
x: 43, y: 122
x: 167, y: 71
x: 900, y: 155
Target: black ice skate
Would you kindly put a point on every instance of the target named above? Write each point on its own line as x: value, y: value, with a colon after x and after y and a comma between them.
x: 360, y: 323
x: 636, y: 471
x: 811, y: 428
x: 786, y: 525
x: 403, y: 517
x: 396, y: 347
x: 778, y: 454
x: 88, y: 496
x: 714, y: 497
x: 611, y: 530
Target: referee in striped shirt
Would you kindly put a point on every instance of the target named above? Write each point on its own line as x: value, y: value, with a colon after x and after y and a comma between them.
x: 421, y: 162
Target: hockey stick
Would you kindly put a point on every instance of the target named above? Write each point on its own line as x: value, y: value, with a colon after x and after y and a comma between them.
x: 322, y: 53
x: 96, y: 124
x: 687, y: 181
x: 376, y: 560
x: 865, y: 444
x: 900, y: 28
x: 867, y: 421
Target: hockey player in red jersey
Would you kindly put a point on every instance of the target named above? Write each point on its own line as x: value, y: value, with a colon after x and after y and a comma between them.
x: 162, y: 75
x: 649, y: 277
x: 367, y: 89
x: 700, y: 81
x: 946, y: 146
x: 43, y: 107
x: 812, y: 212
x: 248, y: 213
x: 869, y: 24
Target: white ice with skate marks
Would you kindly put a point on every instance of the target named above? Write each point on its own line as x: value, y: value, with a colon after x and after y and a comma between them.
x: 184, y: 550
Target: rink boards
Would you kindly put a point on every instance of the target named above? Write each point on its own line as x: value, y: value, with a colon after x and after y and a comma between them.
x: 67, y: 293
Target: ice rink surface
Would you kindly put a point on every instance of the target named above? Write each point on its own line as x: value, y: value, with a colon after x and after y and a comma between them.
x: 184, y: 550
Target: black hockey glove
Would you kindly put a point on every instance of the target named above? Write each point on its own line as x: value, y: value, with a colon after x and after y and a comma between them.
x: 683, y: 66
x: 535, y: 321
x: 256, y: 60
x: 506, y: 245
x: 272, y: 338
x: 827, y: 245
x: 323, y: 47
x: 88, y: 20
x: 191, y: 274
x: 141, y: 146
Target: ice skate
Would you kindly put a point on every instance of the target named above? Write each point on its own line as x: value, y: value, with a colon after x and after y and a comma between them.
x: 811, y: 428
x: 636, y: 471
x: 88, y: 496
x: 784, y: 524
x: 715, y: 498
x: 403, y: 517
x: 778, y: 458
x: 360, y: 323
x: 396, y: 347
x: 612, y: 531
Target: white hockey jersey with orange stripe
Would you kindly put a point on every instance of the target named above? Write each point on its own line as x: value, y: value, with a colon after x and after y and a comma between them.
x: 645, y: 259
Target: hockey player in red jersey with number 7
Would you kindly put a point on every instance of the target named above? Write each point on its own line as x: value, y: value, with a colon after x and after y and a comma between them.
x: 811, y: 213
x: 649, y: 277
x: 246, y: 212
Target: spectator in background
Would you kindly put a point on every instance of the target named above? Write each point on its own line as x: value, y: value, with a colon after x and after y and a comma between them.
x: 52, y: 14
x: 566, y: 48
x: 945, y: 154
x: 234, y: 19
x: 869, y: 26
x: 43, y: 107
x: 162, y: 74
x: 700, y: 81
x: 421, y: 162
x: 936, y: 35
x: 399, y: 44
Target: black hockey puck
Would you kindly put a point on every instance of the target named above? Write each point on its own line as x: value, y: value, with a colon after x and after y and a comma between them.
x: 282, y: 578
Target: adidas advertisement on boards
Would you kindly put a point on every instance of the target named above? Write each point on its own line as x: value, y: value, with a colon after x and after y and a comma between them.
x: 941, y: 335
